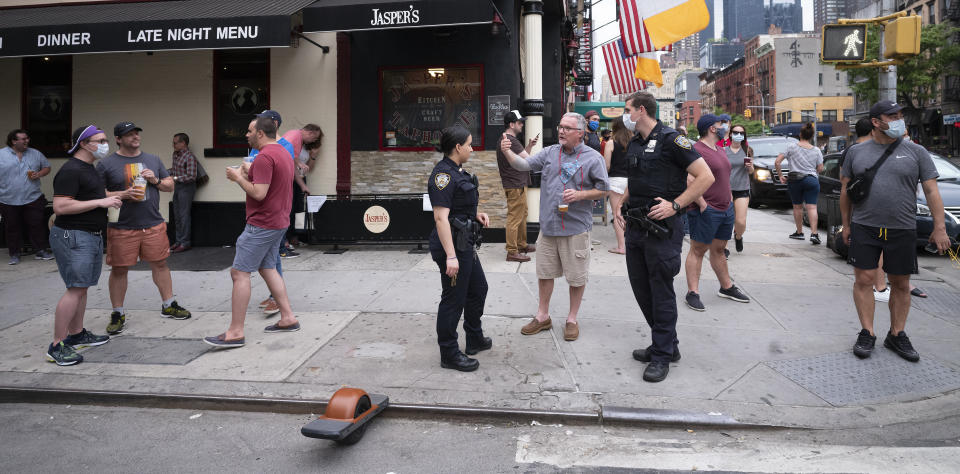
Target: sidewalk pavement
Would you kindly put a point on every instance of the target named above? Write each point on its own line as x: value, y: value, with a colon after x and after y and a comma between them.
x: 368, y: 318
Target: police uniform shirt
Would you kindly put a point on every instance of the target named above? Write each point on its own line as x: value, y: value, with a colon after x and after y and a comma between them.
x: 451, y: 187
x: 658, y: 165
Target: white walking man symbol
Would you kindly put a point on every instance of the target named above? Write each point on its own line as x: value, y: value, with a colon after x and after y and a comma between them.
x: 852, y: 40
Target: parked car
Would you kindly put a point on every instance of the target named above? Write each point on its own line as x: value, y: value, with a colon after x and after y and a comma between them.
x: 765, y: 187
x: 828, y: 202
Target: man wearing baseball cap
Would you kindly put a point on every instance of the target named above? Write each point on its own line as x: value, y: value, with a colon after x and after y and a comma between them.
x: 140, y: 233
x: 592, y: 138
x: 722, y: 131
x: 515, y: 184
x: 884, y: 222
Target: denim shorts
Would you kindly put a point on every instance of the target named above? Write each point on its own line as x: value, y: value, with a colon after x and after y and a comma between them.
x: 79, y: 256
x: 257, y: 248
x: 711, y: 224
x: 804, y: 190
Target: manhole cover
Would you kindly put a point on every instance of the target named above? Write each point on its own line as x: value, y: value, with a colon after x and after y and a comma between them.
x: 146, y: 350
x: 942, y: 302
x: 842, y: 379
x: 776, y: 255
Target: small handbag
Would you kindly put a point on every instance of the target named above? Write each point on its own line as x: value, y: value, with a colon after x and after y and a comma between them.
x: 859, y: 186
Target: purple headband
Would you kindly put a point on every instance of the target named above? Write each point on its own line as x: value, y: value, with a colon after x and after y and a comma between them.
x: 88, y: 132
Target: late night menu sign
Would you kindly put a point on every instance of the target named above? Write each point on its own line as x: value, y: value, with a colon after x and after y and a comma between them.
x: 418, y: 103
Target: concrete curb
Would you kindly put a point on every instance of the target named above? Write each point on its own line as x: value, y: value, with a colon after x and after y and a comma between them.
x: 610, y: 414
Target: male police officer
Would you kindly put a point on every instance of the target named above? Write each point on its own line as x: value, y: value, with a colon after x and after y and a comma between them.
x: 659, y: 159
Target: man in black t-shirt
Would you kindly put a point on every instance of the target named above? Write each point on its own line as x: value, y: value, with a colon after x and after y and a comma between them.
x: 80, y: 203
x: 515, y: 187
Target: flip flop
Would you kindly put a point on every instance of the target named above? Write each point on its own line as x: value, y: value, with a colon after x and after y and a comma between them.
x: 918, y: 293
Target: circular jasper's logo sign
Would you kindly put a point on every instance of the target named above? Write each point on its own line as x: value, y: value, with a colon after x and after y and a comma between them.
x: 376, y: 219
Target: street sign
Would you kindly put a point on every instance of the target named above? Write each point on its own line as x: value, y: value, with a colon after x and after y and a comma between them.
x: 843, y: 43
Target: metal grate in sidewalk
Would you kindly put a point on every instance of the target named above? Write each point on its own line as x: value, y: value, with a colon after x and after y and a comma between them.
x: 942, y: 302
x: 146, y: 350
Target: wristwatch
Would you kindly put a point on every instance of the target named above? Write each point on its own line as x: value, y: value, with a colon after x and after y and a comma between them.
x: 676, y: 207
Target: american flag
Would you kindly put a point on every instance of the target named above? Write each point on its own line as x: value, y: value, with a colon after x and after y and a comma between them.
x: 632, y: 31
x: 620, y: 69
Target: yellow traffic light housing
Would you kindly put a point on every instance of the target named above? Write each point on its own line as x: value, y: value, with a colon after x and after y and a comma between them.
x: 901, y: 37
x: 748, y: 113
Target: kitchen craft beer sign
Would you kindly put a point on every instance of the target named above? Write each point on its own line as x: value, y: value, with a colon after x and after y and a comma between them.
x: 183, y: 34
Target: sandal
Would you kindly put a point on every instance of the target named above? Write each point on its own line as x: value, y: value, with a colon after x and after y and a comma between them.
x: 918, y: 292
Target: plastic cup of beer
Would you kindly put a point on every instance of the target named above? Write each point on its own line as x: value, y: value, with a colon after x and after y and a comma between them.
x: 747, y: 161
x: 562, y: 207
x: 113, y: 214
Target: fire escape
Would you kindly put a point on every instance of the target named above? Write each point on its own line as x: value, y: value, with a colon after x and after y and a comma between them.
x: 579, y: 45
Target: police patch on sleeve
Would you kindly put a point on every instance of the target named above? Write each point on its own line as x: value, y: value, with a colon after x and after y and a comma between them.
x: 682, y: 142
x: 442, y: 180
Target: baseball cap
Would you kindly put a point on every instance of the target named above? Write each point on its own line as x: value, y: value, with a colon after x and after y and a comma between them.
x: 124, y: 128
x: 724, y: 117
x: 84, y: 133
x: 272, y: 114
x: 884, y: 107
x: 706, y: 122
x: 591, y: 113
x: 513, y: 116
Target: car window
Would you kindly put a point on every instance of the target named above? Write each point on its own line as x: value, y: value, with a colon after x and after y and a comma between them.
x: 769, y: 147
x: 831, y: 166
x: 945, y: 169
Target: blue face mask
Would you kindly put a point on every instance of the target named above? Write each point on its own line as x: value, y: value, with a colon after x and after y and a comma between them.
x: 593, y: 126
x: 897, y: 129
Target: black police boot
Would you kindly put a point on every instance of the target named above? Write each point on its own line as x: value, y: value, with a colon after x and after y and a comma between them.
x: 459, y: 361
x: 656, y: 371
x: 479, y: 345
x: 643, y: 355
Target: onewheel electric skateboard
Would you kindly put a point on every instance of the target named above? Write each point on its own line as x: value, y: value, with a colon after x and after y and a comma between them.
x: 347, y: 415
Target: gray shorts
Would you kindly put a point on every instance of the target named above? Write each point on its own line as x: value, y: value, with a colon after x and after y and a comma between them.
x: 79, y: 256
x: 257, y: 248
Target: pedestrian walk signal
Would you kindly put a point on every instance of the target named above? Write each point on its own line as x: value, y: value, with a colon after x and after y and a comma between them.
x: 843, y: 43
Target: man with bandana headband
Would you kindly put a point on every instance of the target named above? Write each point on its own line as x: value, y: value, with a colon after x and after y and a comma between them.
x: 885, y: 222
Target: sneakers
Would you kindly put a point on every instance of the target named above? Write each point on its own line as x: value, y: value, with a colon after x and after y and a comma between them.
x: 733, y: 293
x: 864, y: 346
x: 63, y: 354
x: 796, y: 236
x: 901, y: 345
x: 85, y: 338
x: 14, y: 260
x: 571, y: 331
x: 815, y: 239
x: 694, y: 303
x: 287, y: 253
x: 265, y: 302
x: 175, y: 311
x: 535, y: 326
x: 116, y: 323
x: 43, y: 255
x: 271, y: 307
x: 882, y: 296
x: 739, y: 243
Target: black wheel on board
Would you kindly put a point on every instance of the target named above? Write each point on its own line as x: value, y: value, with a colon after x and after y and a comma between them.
x: 362, y: 405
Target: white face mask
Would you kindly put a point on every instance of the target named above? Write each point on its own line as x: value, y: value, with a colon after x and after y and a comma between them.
x: 627, y: 122
x: 103, y: 150
x: 897, y: 129
x: 737, y: 137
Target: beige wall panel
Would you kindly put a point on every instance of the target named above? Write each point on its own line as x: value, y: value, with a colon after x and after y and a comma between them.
x: 11, y: 71
x: 303, y: 88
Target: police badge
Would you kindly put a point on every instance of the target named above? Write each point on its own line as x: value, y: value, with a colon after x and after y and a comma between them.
x: 682, y: 142
x: 441, y: 180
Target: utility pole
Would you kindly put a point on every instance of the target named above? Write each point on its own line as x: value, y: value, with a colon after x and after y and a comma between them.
x: 815, y: 133
x: 888, y: 74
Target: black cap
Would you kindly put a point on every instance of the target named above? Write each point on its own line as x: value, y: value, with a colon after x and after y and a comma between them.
x: 272, y: 115
x: 513, y: 116
x: 884, y: 107
x: 124, y: 128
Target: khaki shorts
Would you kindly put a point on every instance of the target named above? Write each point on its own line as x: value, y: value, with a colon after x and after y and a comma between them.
x: 568, y: 257
x: 125, y: 245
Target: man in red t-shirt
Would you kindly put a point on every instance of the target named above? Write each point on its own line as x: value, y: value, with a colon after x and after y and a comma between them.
x: 711, y: 219
x: 268, y: 182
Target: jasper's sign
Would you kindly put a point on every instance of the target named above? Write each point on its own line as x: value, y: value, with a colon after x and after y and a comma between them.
x: 349, y: 16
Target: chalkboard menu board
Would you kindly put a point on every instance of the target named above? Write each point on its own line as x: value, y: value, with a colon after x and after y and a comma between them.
x: 417, y: 103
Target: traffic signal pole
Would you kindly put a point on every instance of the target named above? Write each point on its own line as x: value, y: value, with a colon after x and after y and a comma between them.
x: 887, y: 79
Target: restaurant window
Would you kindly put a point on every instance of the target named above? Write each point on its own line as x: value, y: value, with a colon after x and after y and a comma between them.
x: 416, y: 103
x: 241, y: 81
x: 829, y: 116
x: 47, y: 103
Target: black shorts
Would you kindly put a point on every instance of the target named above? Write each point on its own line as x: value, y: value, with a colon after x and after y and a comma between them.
x: 740, y: 194
x: 899, y: 248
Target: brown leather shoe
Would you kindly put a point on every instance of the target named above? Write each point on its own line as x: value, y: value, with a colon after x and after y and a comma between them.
x: 517, y: 257
x: 530, y: 249
x: 571, y: 331
x: 535, y: 326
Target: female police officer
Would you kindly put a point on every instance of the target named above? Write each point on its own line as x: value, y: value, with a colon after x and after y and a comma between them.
x: 454, y: 196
